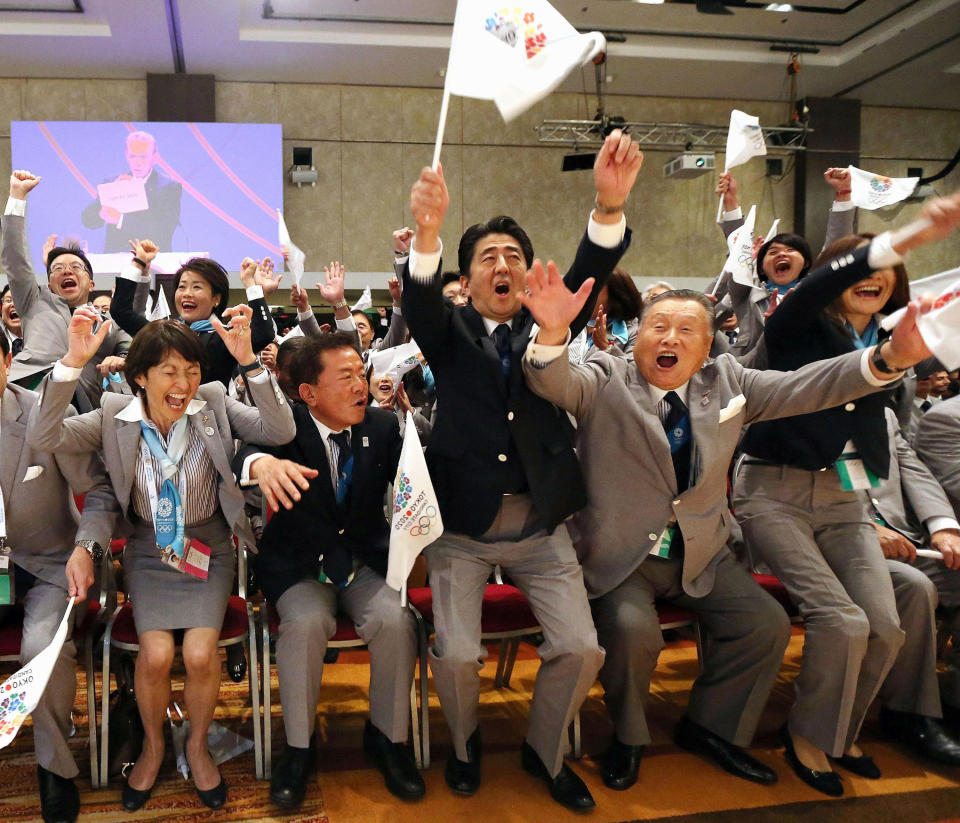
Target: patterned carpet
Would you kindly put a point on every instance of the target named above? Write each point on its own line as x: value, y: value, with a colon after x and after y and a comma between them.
x: 673, y: 784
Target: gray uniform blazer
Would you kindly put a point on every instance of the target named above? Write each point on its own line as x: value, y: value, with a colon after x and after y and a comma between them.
x: 268, y: 423
x: 937, y: 443
x: 626, y: 458
x: 40, y: 512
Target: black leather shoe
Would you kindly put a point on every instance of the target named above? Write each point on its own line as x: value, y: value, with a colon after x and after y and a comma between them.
x: 862, y: 766
x: 464, y: 778
x: 566, y: 788
x: 288, y: 783
x: 695, y: 738
x: 924, y: 735
x: 134, y: 799
x: 59, y: 798
x: 214, y: 798
x: 827, y: 782
x: 621, y: 765
x: 236, y: 662
x: 395, y: 762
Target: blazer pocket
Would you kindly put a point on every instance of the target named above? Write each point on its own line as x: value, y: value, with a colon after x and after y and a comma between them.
x: 733, y: 408
x: 32, y: 473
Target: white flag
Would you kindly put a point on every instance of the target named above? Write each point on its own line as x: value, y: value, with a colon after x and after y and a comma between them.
x: 148, y: 310
x: 940, y: 327
x: 295, y: 257
x: 773, y: 231
x: 21, y: 692
x: 395, y: 362
x: 365, y: 302
x: 934, y: 284
x: 740, y: 262
x: 161, y: 310
x: 873, y: 191
x: 744, y: 139
x: 514, y: 54
x: 416, y: 515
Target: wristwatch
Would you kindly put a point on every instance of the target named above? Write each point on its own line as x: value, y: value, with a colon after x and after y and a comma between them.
x: 256, y: 364
x: 881, y: 364
x: 93, y: 548
x: 340, y: 304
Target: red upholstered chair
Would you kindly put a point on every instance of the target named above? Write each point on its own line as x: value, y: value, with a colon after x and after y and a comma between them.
x: 772, y: 586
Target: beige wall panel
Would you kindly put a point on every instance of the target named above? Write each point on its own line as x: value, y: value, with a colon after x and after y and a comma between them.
x: 55, y: 99
x: 421, y: 116
x: 247, y: 103
x: 313, y: 214
x: 309, y: 112
x: 893, y: 132
x: 11, y: 92
x: 414, y: 159
x: 371, y: 114
x: 372, y: 203
x: 483, y: 125
x: 115, y: 100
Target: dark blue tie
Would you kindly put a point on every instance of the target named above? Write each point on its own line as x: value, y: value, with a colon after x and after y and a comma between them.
x: 677, y: 428
x: 17, y: 346
x: 501, y: 339
x: 344, y: 464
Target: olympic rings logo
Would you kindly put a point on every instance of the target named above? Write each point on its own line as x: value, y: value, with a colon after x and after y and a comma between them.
x: 424, y: 522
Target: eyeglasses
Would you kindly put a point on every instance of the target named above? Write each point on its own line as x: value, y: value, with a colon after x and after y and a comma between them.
x: 74, y: 268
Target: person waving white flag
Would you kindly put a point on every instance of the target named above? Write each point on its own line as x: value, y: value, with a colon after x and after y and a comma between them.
x: 416, y: 514
x: 744, y: 140
x: 160, y: 311
x: 21, y: 692
x: 874, y: 191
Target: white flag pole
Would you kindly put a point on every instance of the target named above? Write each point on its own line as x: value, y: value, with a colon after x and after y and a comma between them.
x: 441, y: 127
x: 403, y: 595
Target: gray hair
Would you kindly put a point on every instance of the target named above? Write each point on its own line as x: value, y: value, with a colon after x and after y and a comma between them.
x: 683, y: 294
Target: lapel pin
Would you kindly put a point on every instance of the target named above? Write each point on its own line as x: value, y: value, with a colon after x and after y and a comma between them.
x: 208, y: 431
x: 366, y: 442
x: 706, y: 400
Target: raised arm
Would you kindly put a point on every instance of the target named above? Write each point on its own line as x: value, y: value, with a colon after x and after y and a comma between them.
x: 133, y: 278
x: 14, y: 255
x: 732, y: 217
x: 397, y: 330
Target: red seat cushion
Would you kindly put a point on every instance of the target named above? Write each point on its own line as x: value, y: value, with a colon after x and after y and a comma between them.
x: 117, y: 545
x: 772, y: 586
x: 421, y: 599
x: 346, y: 630
x: 505, y: 609
x: 234, y: 622
x: 11, y: 632
x: 668, y: 614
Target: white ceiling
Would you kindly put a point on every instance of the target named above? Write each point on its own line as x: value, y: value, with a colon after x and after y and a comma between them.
x: 883, y: 52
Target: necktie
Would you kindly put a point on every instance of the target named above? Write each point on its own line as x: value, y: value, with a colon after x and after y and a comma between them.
x: 17, y: 346
x: 501, y: 339
x: 925, y: 405
x: 677, y: 428
x: 344, y: 459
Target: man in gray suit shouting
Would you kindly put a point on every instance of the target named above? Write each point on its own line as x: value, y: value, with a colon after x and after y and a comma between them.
x: 655, y: 439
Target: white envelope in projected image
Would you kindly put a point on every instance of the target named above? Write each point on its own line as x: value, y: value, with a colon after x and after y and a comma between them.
x: 125, y: 196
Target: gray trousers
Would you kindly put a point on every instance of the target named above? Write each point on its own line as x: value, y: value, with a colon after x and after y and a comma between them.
x: 308, y: 620
x: 746, y: 632
x: 44, y: 605
x: 545, y: 568
x: 818, y: 539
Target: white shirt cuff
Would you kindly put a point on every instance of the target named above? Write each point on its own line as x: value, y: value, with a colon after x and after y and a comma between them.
x: 937, y: 524
x: 881, y: 254
x: 846, y: 205
x: 64, y: 374
x: 607, y: 236
x: 346, y: 324
x: 16, y: 207
x: 304, y: 315
x: 254, y: 292
x: 735, y: 214
x: 868, y: 375
x: 396, y: 309
x: 400, y: 259
x: 263, y: 377
x: 245, y: 472
x: 423, y: 266
x: 131, y: 271
x: 540, y: 355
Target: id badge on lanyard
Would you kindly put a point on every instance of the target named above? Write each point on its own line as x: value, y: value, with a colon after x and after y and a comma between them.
x: 7, y: 594
x: 195, y: 559
x: 854, y: 473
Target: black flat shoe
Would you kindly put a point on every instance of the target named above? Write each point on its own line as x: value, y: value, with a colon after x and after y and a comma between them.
x: 621, y: 765
x: 924, y: 735
x: 214, y: 798
x: 463, y: 778
x: 566, y: 788
x: 134, y: 799
x: 395, y: 762
x: 828, y: 783
x: 59, y: 798
x: 862, y: 766
x: 697, y: 739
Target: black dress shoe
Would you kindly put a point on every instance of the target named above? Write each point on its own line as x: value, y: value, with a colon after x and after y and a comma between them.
x: 566, y: 788
x: 862, y: 766
x: 59, y: 798
x: 699, y: 740
x: 621, y: 765
x: 826, y: 782
x: 464, y: 777
x: 395, y: 762
x: 288, y: 783
x: 924, y: 735
x: 236, y: 662
x: 134, y: 799
x: 214, y: 798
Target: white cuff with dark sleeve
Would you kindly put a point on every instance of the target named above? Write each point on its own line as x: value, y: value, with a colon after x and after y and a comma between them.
x: 304, y: 315
x: 845, y: 205
x: 245, y: 472
x: 881, y: 254
x: 64, y: 374
x: 540, y: 355
x: 423, y: 265
x: 938, y: 524
x: 733, y: 214
x: 15, y: 207
x: 604, y: 235
x: 254, y: 292
x: 262, y: 377
x: 131, y: 271
x: 868, y: 375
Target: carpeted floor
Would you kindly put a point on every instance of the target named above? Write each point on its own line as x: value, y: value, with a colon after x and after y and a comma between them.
x: 673, y: 785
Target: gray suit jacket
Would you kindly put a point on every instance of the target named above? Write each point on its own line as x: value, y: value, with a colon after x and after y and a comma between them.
x: 46, y: 316
x: 937, y: 443
x: 41, y: 515
x: 268, y: 423
x: 910, y: 495
x: 626, y: 458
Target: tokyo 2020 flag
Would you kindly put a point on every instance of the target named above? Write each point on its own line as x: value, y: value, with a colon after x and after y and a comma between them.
x: 21, y: 692
x: 874, y: 191
x: 744, y: 139
x: 416, y: 515
x: 514, y: 53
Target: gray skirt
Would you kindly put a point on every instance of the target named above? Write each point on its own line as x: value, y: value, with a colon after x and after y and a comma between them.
x: 164, y: 598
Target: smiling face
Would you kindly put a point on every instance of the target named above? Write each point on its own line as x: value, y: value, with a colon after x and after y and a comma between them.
x: 673, y: 341
x: 10, y: 317
x: 782, y: 263
x: 168, y: 387
x: 338, y: 396
x: 498, y: 272
x: 70, y: 278
x: 868, y: 296
x: 194, y: 298
x: 364, y: 329
x: 457, y: 291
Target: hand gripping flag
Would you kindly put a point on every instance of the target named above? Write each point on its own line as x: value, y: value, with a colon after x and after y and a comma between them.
x: 940, y: 327
x: 295, y: 257
x: 874, y: 191
x: 21, y: 692
x: 416, y: 514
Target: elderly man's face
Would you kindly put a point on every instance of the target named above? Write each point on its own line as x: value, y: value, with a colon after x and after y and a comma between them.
x: 141, y: 155
x: 673, y: 342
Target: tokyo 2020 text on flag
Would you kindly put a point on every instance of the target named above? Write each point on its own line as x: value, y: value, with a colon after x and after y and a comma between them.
x: 874, y: 191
